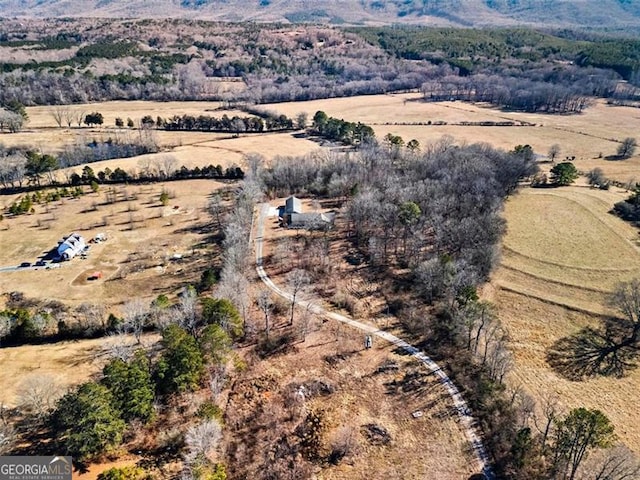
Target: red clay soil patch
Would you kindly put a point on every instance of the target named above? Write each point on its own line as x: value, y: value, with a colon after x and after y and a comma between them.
x: 92, y: 273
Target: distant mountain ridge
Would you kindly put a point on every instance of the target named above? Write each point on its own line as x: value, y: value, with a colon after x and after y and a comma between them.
x: 552, y: 13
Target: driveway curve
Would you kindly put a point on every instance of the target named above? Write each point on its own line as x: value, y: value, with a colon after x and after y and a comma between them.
x: 464, y: 413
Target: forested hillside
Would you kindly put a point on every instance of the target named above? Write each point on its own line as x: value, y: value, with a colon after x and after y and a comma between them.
x: 606, y: 13
x: 61, y: 61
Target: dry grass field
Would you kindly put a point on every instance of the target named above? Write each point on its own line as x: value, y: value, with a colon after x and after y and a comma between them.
x: 190, y: 149
x: 596, y: 131
x: 563, y: 252
x: 534, y: 325
x: 142, y: 237
x: 69, y: 363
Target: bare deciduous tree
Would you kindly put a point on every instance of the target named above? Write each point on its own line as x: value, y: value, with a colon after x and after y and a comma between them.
x: 7, y: 432
x: 297, y: 280
x: 549, y: 411
x: 554, y: 151
x: 616, y: 463
x: 215, y: 208
x: 38, y: 394
x: 266, y: 306
x: 5, y: 326
x: 627, y: 147
x: 168, y: 165
x: 201, y: 441
x: 119, y: 346
x: 91, y: 317
x: 134, y: 317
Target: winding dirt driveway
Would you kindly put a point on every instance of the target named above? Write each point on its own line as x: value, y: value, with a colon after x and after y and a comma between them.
x: 464, y: 413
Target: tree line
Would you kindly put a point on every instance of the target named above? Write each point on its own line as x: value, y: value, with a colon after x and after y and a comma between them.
x: 237, y: 125
x: 552, y: 69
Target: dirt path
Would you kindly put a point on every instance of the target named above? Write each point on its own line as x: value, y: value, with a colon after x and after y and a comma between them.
x: 463, y: 410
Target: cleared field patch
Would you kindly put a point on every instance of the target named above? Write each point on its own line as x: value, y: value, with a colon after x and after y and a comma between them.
x: 40, y: 117
x: 69, y: 362
x: 431, y: 445
x: 589, y: 136
x: 533, y: 326
x: 142, y: 238
x: 556, y: 229
x: 567, y: 236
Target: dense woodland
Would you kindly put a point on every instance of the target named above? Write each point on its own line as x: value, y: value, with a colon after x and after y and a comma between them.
x: 72, y: 61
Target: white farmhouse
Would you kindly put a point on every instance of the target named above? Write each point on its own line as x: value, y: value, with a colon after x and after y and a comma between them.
x: 71, y: 246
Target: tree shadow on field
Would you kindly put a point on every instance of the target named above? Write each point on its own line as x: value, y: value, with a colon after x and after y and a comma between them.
x: 606, y: 351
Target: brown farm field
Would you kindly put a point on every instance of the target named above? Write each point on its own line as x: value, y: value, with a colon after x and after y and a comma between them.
x: 598, y: 130
x: 190, y: 149
x: 142, y: 238
x: 562, y: 254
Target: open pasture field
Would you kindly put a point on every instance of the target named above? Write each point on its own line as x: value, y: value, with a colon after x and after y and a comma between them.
x: 68, y: 363
x: 562, y: 253
x: 190, y: 149
x: 41, y: 117
x: 135, y: 261
x: 223, y: 150
x: 585, y: 136
x: 567, y: 235
x: 534, y: 325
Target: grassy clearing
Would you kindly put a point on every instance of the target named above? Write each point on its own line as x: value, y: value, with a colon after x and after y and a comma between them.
x: 596, y: 131
x: 567, y: 236
x: 563, y: 253
x: 70, y: 363
x: 533, y: 327
x: 142, y: 236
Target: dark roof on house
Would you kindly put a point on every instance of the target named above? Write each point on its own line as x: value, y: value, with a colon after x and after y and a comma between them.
x: 293, y: 205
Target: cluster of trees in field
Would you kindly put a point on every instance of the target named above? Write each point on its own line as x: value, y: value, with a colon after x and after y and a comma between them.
x: 22, y: 323
x: 511, y: 93
x: 629, y: 209
x: 338, y: 130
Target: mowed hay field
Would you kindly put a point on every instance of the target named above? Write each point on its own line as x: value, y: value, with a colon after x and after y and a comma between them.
x: 563, y: 252
x: 135, y: 261
x: 598, y: 130
x: 191, y: 149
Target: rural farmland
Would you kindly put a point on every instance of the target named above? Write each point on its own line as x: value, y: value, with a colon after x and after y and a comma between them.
x: 556, y: 267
